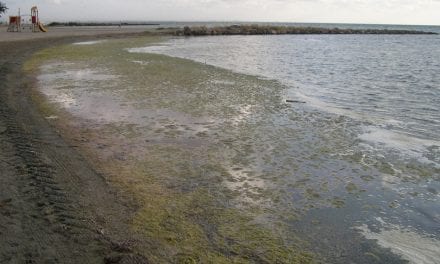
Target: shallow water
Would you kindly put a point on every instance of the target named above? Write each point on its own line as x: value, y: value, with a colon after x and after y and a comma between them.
x: 390, y: 81
x: 330, y: 172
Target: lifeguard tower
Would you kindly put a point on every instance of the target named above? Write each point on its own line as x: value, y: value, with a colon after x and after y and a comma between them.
x: 27, y: 22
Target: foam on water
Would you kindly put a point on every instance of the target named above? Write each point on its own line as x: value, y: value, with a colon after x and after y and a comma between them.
x: 412, y: 246
x: 93, y: 42
x: 409, y: 146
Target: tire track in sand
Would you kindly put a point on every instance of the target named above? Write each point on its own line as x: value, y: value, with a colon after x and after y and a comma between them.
x: 54, y: 208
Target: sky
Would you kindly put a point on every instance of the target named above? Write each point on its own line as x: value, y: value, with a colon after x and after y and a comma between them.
x: 418, y: 12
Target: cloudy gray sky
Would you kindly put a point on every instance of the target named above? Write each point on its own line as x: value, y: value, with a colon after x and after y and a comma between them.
x: 336, y: 11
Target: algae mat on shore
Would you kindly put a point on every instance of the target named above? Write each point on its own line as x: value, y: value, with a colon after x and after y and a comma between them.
x: 179, y: 137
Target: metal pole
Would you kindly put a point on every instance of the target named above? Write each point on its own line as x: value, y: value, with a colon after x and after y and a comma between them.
x: 19, y: 21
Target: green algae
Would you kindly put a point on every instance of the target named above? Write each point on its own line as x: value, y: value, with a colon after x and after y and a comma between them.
x: 46, y: 108
x: 312, y: 194
x: 191, y: 209
x: 385, y: 167
x: 393, y: 204
x: 212, y: 157
x: 219, y: 236
x: 199, y: 226
x: 351, y: 187
x: 367, y: 178
x: 337, y: 202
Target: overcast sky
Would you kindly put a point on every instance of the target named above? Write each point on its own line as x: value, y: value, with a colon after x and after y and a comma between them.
x: 332, y: 11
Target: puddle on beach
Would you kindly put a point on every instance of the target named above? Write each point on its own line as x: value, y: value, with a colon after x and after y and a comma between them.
x: 226, y: 170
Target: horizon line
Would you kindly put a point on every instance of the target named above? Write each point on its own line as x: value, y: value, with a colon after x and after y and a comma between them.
x: 231, y: 21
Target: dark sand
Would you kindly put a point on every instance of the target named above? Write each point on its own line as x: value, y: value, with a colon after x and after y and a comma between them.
x: 54, y: 208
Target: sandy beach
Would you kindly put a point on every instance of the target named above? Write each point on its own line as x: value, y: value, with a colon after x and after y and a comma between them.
x: 54, y: 207
x: 57, y: 32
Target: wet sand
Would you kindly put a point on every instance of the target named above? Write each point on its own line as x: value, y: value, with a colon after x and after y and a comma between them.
x: 54, y: 207
x: 60, y: 207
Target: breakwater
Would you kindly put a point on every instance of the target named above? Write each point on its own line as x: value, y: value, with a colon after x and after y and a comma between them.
x: 285, y: 30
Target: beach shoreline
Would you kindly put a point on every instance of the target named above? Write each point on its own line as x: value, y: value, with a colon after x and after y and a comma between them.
x: 76, y: 209
x: 101, y: 167
x: 54, y: 206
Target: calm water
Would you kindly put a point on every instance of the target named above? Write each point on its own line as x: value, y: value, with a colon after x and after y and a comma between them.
x: 386, y: 92
x: 330, y: 139
x: 390, y: 81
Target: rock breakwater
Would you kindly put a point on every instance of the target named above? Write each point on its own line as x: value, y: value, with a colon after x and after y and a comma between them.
x: 284, y: 30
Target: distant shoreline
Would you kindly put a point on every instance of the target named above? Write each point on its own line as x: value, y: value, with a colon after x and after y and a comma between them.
x: 290, y: 30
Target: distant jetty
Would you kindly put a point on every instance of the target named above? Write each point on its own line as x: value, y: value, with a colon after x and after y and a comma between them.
x: 283, y: 30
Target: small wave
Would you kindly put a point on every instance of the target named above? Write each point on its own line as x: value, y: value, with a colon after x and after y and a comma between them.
x: 408, y: 145
x: 330, y: 108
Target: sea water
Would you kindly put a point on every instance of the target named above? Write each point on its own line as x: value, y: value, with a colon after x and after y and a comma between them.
x: 386, y: 91
x: 391, y: 81
x: 328, y: 139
